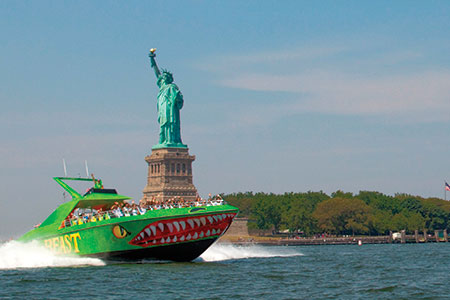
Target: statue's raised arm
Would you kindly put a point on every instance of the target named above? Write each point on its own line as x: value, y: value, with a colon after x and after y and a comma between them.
x: 153, y: 64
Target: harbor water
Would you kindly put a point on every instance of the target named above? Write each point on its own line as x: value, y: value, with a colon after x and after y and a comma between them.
x: 388, y: 271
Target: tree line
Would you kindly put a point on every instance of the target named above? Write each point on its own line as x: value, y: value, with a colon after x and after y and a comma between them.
x: 366, y: 213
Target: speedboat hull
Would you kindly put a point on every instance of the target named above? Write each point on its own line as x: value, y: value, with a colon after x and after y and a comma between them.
x: 177, y: 234
x: 181, y: 252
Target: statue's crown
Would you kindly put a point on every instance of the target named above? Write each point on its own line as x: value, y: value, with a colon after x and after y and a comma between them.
x: 164, y: 71
x: 167, y: 73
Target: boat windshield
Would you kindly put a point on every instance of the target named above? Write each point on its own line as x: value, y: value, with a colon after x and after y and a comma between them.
x: 102, y: 191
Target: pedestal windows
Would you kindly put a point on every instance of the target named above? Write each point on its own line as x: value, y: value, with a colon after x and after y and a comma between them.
x: 170, y: 174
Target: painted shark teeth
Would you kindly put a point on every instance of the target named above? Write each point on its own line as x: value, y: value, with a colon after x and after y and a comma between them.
x: 183, y: 225
x: 177, y: 225
x: 190, y: 222
x: 183, y: 230
x: 153, y: 228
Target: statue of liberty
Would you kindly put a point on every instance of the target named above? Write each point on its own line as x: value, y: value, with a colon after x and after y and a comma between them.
x: 170, y: 101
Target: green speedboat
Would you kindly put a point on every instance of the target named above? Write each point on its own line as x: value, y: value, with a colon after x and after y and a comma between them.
x: 90, y: 225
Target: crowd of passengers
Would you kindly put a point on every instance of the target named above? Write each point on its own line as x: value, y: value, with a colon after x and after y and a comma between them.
x: 125, y: 209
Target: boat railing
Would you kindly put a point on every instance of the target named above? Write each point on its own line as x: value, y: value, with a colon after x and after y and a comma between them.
x: 124, y: 212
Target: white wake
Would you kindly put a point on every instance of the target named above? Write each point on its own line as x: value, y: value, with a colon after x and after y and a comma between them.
x: 219, y: 252
x: 15, y: 255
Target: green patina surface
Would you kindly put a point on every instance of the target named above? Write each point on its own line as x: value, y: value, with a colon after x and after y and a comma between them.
x: 170, y: 101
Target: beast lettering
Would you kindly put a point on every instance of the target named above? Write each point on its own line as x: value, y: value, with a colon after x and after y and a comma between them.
x: 67, y: 243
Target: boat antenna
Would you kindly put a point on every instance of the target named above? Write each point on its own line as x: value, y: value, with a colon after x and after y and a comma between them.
x: 64, y: 166
x: 65, y: 175
x: 87, y: 169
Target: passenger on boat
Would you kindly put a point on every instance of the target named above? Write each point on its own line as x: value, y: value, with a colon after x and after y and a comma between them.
x: 147, y: 204
x: 100, y: 214
x: 142, y: 202
x: 141, y: 209
x: 134, y: 209
x: 118, y: 212
x: 127, y: 210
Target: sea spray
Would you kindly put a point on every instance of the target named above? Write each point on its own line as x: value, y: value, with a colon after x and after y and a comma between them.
x: 15, y: 254
x: 219, y: 252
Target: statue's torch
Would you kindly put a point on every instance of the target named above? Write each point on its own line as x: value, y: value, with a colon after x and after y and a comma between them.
x: 152, y: 56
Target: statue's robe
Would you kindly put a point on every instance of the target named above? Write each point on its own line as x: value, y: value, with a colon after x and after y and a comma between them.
x: 170, y: 101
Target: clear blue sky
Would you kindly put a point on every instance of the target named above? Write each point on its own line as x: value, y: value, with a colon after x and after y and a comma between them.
x: 280, y: 96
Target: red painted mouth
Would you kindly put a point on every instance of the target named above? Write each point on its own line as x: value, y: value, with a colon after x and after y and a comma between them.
x: 183, y: 229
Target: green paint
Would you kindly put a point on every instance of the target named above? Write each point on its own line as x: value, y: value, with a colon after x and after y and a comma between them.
x: 98, y: 238
x: 170, y: 101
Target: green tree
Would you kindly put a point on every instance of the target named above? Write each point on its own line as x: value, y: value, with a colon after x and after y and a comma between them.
x: 343, y: 216
x: 243, y: 201
x: 399, y: 222
x: 379, y: 222
x: 415, y: 221
x: 299, y: 217
x: 267, y: 213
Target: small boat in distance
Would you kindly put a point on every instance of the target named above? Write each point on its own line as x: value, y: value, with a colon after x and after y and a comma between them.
x: 101, y: 223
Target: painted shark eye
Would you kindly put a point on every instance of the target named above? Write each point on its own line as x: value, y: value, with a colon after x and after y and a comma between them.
x: 120, y: 232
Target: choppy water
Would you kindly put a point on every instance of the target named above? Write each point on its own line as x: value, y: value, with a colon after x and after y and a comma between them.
x: 232, y: 272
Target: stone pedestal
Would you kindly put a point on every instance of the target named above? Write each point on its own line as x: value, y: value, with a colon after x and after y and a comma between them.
x: 170, y: 174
